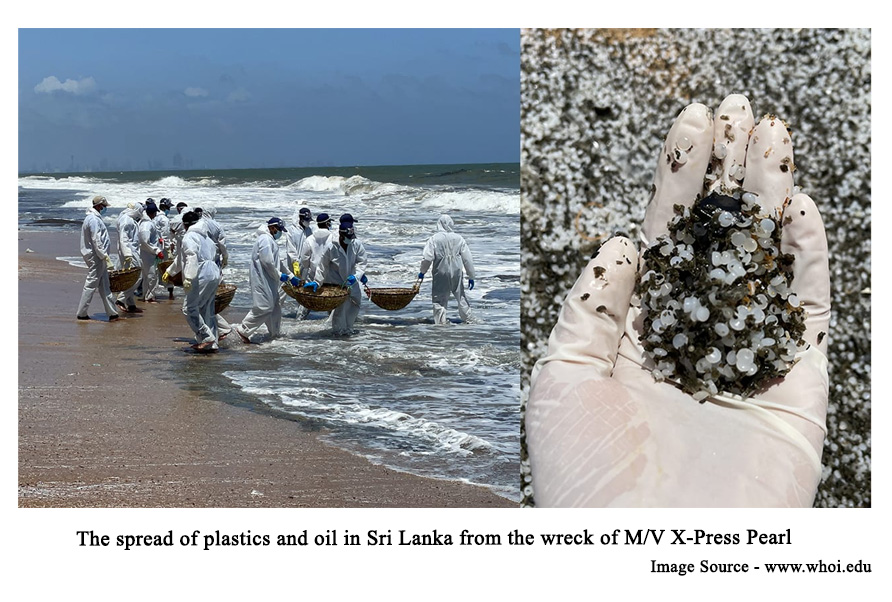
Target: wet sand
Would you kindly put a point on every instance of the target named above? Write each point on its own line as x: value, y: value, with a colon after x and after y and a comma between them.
x: 99, y: 428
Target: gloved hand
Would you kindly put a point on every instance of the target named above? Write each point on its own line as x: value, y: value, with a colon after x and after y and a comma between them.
x: 160, y: 255
x: 312, y: 285
x: 470, y: 284
x: 295, y: 281
x: 363, y: 279
x: 295, y: 267
x: 165, y: 277
x: 109, y: 263
x: 601, y: 431
x: 187, y: 284
x: 283, y: 277
x: 421, y: 275
x: 351, y: 280
x: 128, y: 262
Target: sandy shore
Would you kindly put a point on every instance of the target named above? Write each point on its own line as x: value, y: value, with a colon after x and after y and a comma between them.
x: 98, y: 428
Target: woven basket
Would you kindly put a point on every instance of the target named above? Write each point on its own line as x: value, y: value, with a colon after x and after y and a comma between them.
x: 121, y: 280
x: 328, y: 297
x: 176, y: 280
x: 392, y: 298
x: 225, y: 293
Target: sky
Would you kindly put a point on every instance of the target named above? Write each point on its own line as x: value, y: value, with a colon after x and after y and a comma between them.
x: 135, y: 99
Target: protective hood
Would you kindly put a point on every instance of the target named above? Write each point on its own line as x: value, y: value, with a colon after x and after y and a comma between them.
x: 444, y: 224
x: 208, y: 210
x: 135, y: 211
x: 200, y: 226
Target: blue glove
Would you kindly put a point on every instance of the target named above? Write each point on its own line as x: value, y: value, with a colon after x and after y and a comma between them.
x: 351, y: 280
x: 295, y: 281
x: 283, y: 277
x: 363, y: 279
x: 421, y: 275
x: 470, y: 284
x: 312, y: 285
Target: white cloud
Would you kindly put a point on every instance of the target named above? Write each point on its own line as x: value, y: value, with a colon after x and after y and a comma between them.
x: 195, y: 92
x: 52, y: 84
x: 239, y: 95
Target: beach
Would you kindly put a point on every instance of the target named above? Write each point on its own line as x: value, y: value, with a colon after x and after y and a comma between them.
x: 107, y: 418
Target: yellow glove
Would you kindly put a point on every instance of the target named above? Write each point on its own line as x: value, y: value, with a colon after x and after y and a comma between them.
x: 295, y: 267
x: 109, y: 263
x: 165, y: 277
x: 128, y: 262
x: 187, y: 284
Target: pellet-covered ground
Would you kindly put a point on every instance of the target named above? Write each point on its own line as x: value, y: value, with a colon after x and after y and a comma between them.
x: 595, y: 108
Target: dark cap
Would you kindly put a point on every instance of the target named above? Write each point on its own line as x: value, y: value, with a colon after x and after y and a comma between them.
x: 348, y: 218
x: 278, y: 223
x: 305, y: 212
x: 190, y: 217
x: 322, y: 218
x: 150, y: 206
x: 165, y: 204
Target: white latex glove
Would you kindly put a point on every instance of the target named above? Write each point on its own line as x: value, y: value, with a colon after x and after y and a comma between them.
x: 187, y: 284
x: 602, y: 432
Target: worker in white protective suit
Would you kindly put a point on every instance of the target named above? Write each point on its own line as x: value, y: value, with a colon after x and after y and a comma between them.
x: 314, y: 247
x: 150, y: 252
x: 295, y: 241
x: 447, y: 253
x: 339, y: 264
x: 267, y: 272
x: 162, y: 221
x: 177, y: 231
x: 94, y: 249
x: 217, y: 235
x: 603, y: 431
x: 128, y: 253
x: 201, y: 277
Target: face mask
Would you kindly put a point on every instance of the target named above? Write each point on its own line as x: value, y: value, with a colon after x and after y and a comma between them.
x: 167, y: 212
x: 348, y: 234
x: 277, y: 235
x: 102, y: 210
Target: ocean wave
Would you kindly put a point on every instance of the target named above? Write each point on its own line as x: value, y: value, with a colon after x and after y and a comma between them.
x: 444, y: 438
x: 473, y: 200
x: 178, y: 182
x: 345, y: 186
x: 62, y: 182
x: 316, y: 403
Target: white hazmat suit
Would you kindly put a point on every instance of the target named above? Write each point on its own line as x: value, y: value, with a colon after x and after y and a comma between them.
x: 264, y: 275
x: 296, y: 239
x: 201, y: 277
x: 312, y: 251
x: 447, y: 252
x: 94, y: 249
x: 149, y: 248
x: 335, y: 266
x: 128, y: 247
